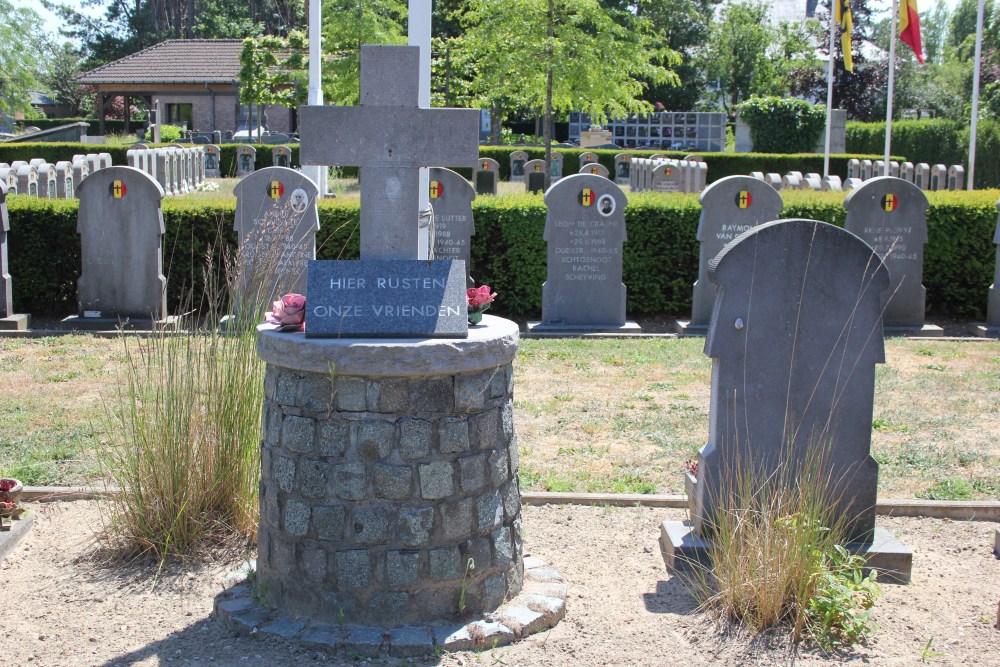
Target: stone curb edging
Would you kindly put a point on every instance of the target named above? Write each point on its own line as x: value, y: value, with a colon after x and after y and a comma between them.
x: 539, y: 606
x: 958, y: 510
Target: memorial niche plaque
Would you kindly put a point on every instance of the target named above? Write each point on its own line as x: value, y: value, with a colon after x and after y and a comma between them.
x: 386, y: 299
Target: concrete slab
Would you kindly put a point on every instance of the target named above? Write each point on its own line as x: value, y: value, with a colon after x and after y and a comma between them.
x: 9, y: 539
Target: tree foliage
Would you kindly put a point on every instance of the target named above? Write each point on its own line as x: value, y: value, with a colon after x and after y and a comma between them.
x: 347, y: 24
x: 22, y: 56
x: 271, y: 72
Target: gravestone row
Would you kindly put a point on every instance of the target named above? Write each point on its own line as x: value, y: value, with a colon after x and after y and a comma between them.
x: 38, y: 178
x: 796, y: 180
x: 924, y: 176
x: 178, y: 169
x: 659, y: 174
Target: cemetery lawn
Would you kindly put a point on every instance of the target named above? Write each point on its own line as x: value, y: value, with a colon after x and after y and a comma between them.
x: 611, y: 416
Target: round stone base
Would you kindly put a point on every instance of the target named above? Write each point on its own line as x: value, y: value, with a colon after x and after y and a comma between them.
x: 540, y: 605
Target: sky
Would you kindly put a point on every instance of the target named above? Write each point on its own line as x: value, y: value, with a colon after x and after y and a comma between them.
x: 52, y: 22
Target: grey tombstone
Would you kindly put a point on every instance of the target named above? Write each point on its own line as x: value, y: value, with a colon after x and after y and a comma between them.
x: 120, y: 222
x: 212, y: 153
x: 48, y: 188
x: 454, y: 226
x: 276, y: 221
x: 534, y: 176
x: 813, y: 182
x: 922, y: 176
x: 595, y: 169
x: 701, y: 175
x: 991, y: 328
x: 517, y: 160
x: 906, y: 171
x: 485, y: 176
x: 246, y: 157
x: 623, y: 164
x: 832, y: 183
x: 894, y: 169
x: 9, y: 320
x: 104, y: 159
x: 866, y: 170
x: 27, y: 180
x: 390, y: 137
x: 852, y: 183
x: 956, y: 177
x: 38, y: 163
x: 854, y: 168
x: 791, y: 181
x: 132, y: 158
x: 759, y: 175
x: 795, y: 337
x: 878, y: 169
x: 181, y: 176
x: 93, y: 162
x: 64, y: 180
x: 667, y: 177
x: 9, y: 178
x: 729, y: 207
x: 163, y: 171
x: 281, y: 156
x: 557, y: 166
x: 139, y: 145
x: 585, y: 232
x: 81, y: 169
x: 587, y: 157
x: 939, y: 177
x: 890, y: 215
x: 774, y: 180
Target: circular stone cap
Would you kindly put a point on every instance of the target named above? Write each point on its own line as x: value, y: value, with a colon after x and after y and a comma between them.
x: 490, y: 344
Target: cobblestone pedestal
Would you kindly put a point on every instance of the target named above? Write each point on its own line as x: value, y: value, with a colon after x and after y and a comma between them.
x: 389, y: 490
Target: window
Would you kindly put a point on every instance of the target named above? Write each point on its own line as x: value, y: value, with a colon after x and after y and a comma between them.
x: 179, y: 114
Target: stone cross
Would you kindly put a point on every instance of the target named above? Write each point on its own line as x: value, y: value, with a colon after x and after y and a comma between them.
x: 389, y: 137
x: 795, y: 335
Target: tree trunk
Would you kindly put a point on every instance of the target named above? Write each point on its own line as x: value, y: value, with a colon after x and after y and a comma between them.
x: 549, y: 54
x: 495, y: 122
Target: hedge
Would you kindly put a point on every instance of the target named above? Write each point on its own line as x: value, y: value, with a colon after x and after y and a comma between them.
x: 508, y: 253
x: 720, y: 165
x: 57, y: 152
x: 934, y: 141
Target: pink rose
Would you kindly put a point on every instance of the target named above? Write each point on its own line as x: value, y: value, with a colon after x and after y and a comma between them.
x: 479, y: 296
x: 288, y: 313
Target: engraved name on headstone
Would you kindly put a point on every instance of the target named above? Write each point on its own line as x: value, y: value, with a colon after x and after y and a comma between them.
x: 451, y: 196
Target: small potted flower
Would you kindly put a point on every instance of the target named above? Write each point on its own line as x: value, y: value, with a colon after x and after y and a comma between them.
x: 10, y: 493
x: 479, y: 300
x: 288, y: 313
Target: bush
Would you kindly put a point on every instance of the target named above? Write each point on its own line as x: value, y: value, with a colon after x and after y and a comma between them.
x: 660, y: 257
x: 170, y: 133
x: 934, y: 141
x: 783, y: 124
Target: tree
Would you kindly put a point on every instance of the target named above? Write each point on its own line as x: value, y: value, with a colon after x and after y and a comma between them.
x: 347, y: 24
x: 271, y: 72
x: 22, y: 48
x: 63, y: 68
x: 934, y: 30
x: 748, y: 56
x: 570, y: 55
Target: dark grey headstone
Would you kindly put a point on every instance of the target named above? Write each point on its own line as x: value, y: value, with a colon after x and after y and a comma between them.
x: 276, y: 214
x: 993, y: 307
x: 585, y: 231
x: 794, y: 340
x: 454, y: 226
x: 27, y: 180
x: 212, y: 155
x: 668, y: 177
x: 623, y: 164
x: 9, y: 178
x: 246, y: 157
x: 890, y: 215
x: 534, y: 176
x: 729, y: 207
x: 281, y: 156
x: 587, y: 157
x: 389, y: 137
x: 120, y: 223
x: 486, y: 175
x: 64, y: 180
x: 387, y: 299
x: 517, y: 161
x: 6, y: 295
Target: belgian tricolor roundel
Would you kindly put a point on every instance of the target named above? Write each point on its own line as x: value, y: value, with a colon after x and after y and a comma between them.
x: 486, y: 166
x: 890, y: 202
x: 594, y: 170
x: 538, y: 167
x: 118, y: 189
x: 275, y: 189
x: 437, y: 189
x: 668, y: 171
x: 744, y: 199
x: 587, y: 197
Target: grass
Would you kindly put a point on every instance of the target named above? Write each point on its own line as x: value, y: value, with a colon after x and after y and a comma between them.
x: 591, y: 415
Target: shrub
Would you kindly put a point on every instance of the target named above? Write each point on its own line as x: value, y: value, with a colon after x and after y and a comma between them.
x: 169, y: 133
x: 783, y: 124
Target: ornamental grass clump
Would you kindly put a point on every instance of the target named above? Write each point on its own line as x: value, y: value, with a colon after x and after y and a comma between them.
x: 777, y: 560
x: 185, y: 422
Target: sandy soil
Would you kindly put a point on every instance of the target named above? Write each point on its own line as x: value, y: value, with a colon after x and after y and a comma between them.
x: 64, y: 608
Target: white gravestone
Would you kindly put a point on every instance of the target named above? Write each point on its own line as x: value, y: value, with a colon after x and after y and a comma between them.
x: 454, y: 226
x: 9, y: 320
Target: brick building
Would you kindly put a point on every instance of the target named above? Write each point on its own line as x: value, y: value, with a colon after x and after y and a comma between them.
x: 188, y: 82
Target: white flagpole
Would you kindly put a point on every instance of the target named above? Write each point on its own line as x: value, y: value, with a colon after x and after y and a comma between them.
x: 317, y: 173
x: 829, y: 91
x: 892, y: 83
x: 418, y: 30
x: 975, y: 94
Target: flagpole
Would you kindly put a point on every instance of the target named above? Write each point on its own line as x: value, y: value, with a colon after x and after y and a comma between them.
x: 892, y: 83
x: 317, y: 173
x: 829, y: 92
x: 975, y: 93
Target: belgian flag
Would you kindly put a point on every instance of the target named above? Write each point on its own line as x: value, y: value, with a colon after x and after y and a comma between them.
x: 842, y: 14
x: 909, y: 27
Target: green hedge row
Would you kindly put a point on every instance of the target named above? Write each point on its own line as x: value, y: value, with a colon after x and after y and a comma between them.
x: 934, y: 141
x: 720, y: 165
x: 508, y: 253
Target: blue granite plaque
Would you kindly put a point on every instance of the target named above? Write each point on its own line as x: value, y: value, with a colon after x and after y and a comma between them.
x: 386, y: 299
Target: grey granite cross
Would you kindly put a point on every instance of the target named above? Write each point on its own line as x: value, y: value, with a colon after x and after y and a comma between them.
x: 389, y: 137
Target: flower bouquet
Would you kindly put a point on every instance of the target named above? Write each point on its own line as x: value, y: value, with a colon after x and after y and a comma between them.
x: 288, y: 313
x: 479, y: 300
x: 10, y: 493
